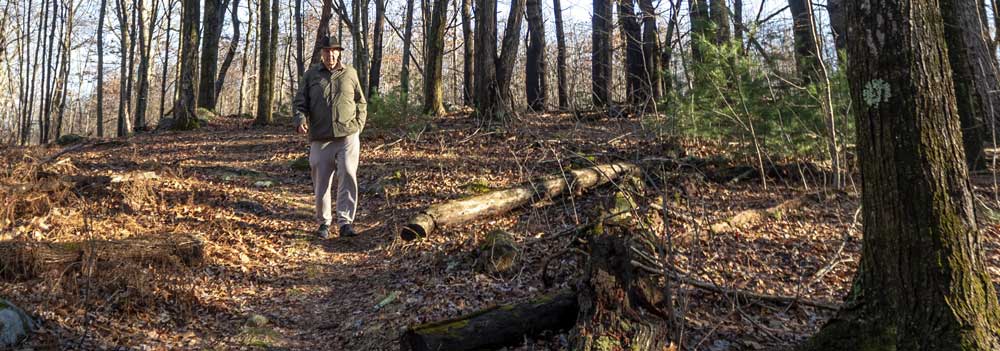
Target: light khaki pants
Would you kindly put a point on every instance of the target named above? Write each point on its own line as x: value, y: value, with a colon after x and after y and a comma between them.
x: 335, y: 159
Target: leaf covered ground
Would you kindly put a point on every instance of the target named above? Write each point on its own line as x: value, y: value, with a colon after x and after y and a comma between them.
x: 267, y: 283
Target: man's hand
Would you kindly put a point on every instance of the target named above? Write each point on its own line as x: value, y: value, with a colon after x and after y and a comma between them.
x: 303, y: 128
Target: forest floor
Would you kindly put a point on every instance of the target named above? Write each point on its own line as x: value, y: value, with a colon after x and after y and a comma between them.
x: 234, y: 185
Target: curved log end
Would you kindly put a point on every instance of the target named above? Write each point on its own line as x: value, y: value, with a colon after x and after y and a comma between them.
x: 412, y: 232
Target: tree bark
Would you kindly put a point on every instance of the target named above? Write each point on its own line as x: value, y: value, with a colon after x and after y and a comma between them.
x: 634, y: 68
x: 166, y: 56
x: 488, y: 104
x: 127, y: 40
x: 300, y: 64
x: 975, y: 75
x: 495, y: 327
x: 805, y: 43
x: 700, y: 25
x: 536, y: 87
x: 561, y: 57
x: 922, y: 267
x: 468, y: 51
x: 601, y: 53
x: 650, y: 53
x: 185, y: 118
x: 404, y: 73
x: 434, y: 58
x: 502, y: 201
x: 145, y: 44
x: 835, y: 9
x: 720, y: 18
x: 212, y: 32
x: 375, y: 77
x: 265, y: 69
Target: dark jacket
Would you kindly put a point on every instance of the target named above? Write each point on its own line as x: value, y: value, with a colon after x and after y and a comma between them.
x: 333, y: 103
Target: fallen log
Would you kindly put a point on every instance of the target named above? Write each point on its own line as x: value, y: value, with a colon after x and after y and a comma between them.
x: 498, y: 254
x: 753, y: 216
x: 502, y: 201
x: 495, y: 327
x: 20, y: 259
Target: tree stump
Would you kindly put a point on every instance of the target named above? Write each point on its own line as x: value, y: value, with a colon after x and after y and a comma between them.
x: 498, y: 254
x: 622, y: 304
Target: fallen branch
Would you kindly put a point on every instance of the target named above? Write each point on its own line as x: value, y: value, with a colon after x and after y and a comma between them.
x: 28, y: 259
x: 502, y: 201
x: 753, y: 216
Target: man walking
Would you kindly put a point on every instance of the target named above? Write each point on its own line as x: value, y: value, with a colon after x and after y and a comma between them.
x: 330, y: 105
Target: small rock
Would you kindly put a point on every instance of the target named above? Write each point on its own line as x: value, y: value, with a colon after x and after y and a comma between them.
x: 263, y: 183
x: 14, y: 325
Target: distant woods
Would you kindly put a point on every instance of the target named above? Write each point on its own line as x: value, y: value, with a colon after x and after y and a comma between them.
x: 769, y: 75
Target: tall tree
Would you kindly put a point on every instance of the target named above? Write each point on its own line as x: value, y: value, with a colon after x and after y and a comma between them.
x: 166, y: 57
x: 806, y: 48
x: 215, y: 11
x: 468, y: 69
x: 650, y: 52
x: 634, y: 68
x: 375, y: 75
x: 65, y: 62
x: 922, y: 283
x: 838, y: 25
x: 601, y: 53
x: 185, y: 118
x: 265, y: 69
x: 355, y: 22
x: 300, y: 64
x: 493, y: 72
x: 719, y: 15
x: 145, y: 44
x: 404, y: 73
x: 536, y: 87
x: 700, y: 27
x: 975, y: 74
x: 102, y: 12
x: 561, y: 57
x: 234, y: 44
x: 434, y: 59
x: 124, y: 97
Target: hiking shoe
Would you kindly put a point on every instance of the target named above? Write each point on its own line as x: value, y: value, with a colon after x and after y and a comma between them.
x: 347, y: 231
x: 324, y: 231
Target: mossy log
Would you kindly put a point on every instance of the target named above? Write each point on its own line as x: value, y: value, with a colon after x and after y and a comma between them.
x: 623, y: 306
x: 495, y: 327
x: 502, y: 201
x: 498, y: 253
x: 27, y: 259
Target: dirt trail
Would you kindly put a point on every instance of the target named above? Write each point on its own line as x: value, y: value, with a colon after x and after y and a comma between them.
x: 236, y: 186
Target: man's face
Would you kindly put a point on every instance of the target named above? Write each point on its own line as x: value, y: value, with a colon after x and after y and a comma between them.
x: 330, y: 57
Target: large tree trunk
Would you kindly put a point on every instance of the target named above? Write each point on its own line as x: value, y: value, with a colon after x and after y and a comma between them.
x: 720, y: 18
x: 300, y: 64
x: 434, y: 58
x: 650, y: 52
x: 234, y: 44
x: 166, y: 56
x: 561, y: 57
x: 123, y: 92
x: 805, y: 43
x: 265, y: 69
x: 212, y: 31
x: 535, y: 87
x: 375, y: 77
x: 496, y: 327
x: 185, y: 118
x: 359, y: 17
x: 502, y: 201
x: 634, y: 68
x: 601, y: 53
x: 323, y: 30
x: 145, y: 44
x: 510, y: 45
x: 487, y: 97
x: 922, y: 283
x: 974, y: 73
x: 467, y: 53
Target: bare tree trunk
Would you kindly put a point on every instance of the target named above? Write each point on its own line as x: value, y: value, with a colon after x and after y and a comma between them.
x: 211, y: 33
x: 185, y: 118
x: 922, y: 283
x: 234, y: 44
x: 244, y: 60
x: 375, y: 77
x: 835, y: 9
x: 601, y: 53
x: 145, y: 44
x: 433, y: 60
x: 720, y: 17
x: 48, y: 77
x: 66, y: 63
x: 650, y: 52
x: 634, y: 69
x: 265, y: 75
x: 806, y: 54
x: 561, y: 57
x: 166, y: 57
x: 508, y: 55
x: 123, y: 69
x: 700, y: 25
x: 300, y: 63
x: 468, y: 69
x: 404, y: 73
x: 536, y: 87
